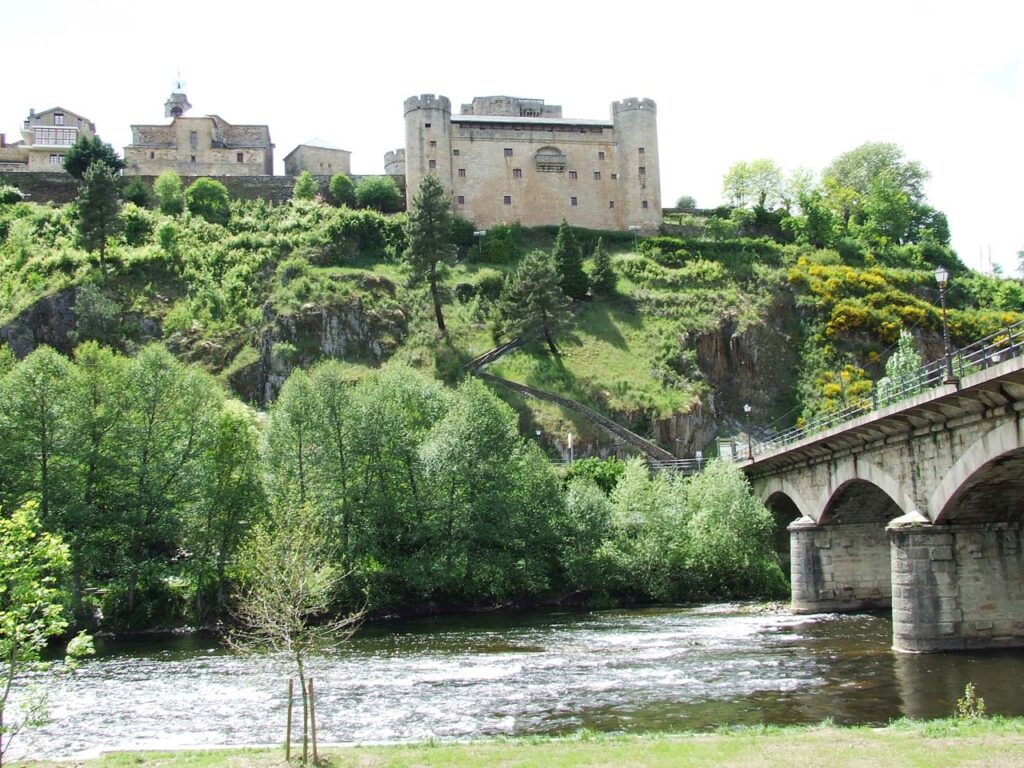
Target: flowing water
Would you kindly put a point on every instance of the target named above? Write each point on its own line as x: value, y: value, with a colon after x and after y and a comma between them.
x: 635, y: 670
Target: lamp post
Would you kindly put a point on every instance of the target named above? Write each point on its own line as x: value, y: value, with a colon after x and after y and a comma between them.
x: 634, y: 228
x: 942, y: 277
x: 750, y: 442
x: 480, y: 234
x: 570, y: 448
x: 700, y: 457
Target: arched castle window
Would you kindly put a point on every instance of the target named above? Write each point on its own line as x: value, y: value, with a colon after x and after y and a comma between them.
x: 551, y: 159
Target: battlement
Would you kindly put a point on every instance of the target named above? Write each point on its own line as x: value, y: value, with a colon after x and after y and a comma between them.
x: 632, y: 104
x: 396, y: 155
x: 427, y: 101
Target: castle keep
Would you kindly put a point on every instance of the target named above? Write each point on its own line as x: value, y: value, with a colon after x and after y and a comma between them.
x: 507, y: 159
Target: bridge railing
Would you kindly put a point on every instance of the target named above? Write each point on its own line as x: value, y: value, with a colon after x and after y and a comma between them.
x: 1002, y: 345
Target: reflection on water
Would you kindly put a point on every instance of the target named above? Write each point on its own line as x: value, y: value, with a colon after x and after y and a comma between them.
x: 657, y: 669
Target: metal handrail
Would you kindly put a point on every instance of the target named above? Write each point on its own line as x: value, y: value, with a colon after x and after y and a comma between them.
x: 1002, y: 345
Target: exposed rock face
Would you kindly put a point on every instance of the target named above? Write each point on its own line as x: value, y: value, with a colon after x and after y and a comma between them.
x: 686, y: 433
x: 48, y: 321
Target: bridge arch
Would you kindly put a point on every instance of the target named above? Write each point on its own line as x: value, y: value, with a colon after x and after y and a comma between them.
x: 867, y: 491
x: 776, y: 488
x: 984, y: 482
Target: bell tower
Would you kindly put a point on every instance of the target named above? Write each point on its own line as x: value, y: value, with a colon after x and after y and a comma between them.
x: 177, y: 103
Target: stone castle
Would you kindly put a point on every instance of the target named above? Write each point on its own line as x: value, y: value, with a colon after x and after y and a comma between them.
x: 507, y: 159
x: 502, y: 159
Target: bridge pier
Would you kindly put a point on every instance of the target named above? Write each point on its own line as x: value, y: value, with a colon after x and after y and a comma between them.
x: 839, y: 568
x: 956, y: 587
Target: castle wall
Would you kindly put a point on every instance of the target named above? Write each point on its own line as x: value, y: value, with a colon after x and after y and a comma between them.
x: 318, y: 160
x: 200, y: 146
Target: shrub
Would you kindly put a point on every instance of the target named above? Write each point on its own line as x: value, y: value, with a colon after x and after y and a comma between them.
x: 305, y: 187
x: 138, y: 224
x: 208, y: 199
x: 604, y: 472
x: 500, y: 244
x: 378, y: 193
x: 136, y: 191
x: 167, y: 237
x: 167, y: 189
x: 490, y: 284
x: 342, y: 191
x: 10, y: 195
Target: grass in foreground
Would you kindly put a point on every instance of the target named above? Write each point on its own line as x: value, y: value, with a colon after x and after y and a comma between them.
x: 940, y: 743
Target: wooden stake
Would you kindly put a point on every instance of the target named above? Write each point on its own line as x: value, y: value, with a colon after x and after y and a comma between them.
x: 288, y: 733
x: 312, y: 720
x: 305, y: 727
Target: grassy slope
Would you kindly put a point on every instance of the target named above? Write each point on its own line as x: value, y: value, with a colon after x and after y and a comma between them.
x: 996, y: 742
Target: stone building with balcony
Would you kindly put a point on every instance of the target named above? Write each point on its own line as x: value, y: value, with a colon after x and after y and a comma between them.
x: 45, y: 140
x: 198, y: 146
x: 508, y: 159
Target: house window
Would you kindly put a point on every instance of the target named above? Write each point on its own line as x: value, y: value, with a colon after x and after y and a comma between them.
x: 240, y: 157
x: 640, y: 151
x: 508, y: 151
x: 600, y: 155
x: 572, y: 175
x: 597, y: 175
x: 643, y: 204
x: 461, y: 199
x: 615, y: 176
x: 455, y: 152
x: 58, y: 118
x: 643, y: 171
x: 611, y: 203
x: 433, y: 144
x: 517, y: 173
x: 462, y: 173
x: 193, y: 139
x: 507, y: 200
x: 432, y: 164
x: 573, y: 202
x: 56, y: 159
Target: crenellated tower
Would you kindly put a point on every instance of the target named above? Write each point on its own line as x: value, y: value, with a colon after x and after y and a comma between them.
x: 636, y: 131
x: 428, y: 141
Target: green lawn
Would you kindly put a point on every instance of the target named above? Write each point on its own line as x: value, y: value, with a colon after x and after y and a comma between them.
x: 942, y: 744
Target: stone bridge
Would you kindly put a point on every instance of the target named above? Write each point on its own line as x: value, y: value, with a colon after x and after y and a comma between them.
x: 917, y: 507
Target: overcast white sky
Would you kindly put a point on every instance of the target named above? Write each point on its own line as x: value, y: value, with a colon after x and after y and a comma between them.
x: 798, y: 82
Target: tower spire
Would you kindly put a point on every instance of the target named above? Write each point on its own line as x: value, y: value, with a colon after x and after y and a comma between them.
x: 177, y: 103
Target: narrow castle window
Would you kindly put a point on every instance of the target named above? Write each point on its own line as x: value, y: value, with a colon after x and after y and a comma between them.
x: 615, y: 176
x: 152, y: 155
x: 600, y: 155
x: 462, y: 173
x: 507, y: 200
x: 455, y: 152
x: 461, y: 199
x: 193, y: 159
x: 597, y: 175
x: 432, y: 164
x: 643, y: 204
x: 433, y: 144
x: 640, y: 150
x: 240, y: 157
x: 573, y: 202
x: 643, y: 171
x: 426, y: 125
x: 611, y: 203
x: 508, y: 151
x: 572, y: 175
x: 517, y: 173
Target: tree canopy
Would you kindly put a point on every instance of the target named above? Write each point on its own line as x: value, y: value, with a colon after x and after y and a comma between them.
x: 533, y: 302
x: 98, y: 207
x: 755, y: 184
x: 86, y: 151
x: 429, y: 232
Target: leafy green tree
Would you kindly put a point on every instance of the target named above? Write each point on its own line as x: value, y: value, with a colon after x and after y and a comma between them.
x: 209, y: 199
x: 568, y: 258
x: 305, y: 187
x: 757, y: 184
x: 687, y: 203
x: 379, y: 193
x: 342, y: 190
x: 32, y: 562
x: 859, y: 168
x: 288, y: 595
x: 902, y: 371
x: 602, y: 277
x: 138, y: 192
x: 291, y: 443
x: 10, y: 195
x: 86, y: 151
x: 167, y: 189
x: 533, y: 300
x: 583, y: 531
x: 98, y: 208
x: 429, y: 232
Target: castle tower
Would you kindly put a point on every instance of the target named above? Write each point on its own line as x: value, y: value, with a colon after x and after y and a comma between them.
x: 428, y: 141
x: 636, y: 131
x: 177, y: 103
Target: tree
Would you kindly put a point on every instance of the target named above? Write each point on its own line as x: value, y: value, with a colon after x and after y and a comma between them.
x: 533, y: 300
x: 31, y: 562
x: 858, y: 169
x: 342, y: 190
x: 209, y: 199
x: 86, y: 151
x: 285, y: 605
x: 167, y: 189
x: 379, y: 193
x: 602, y: 278
x: 136, y: 191
x: 687, y: 203
x: 757, y: 184
x: 902, y: 374
x: 429, y: 230
x: 98, y: 208
x: 568, y: 259
x: 305, y: 187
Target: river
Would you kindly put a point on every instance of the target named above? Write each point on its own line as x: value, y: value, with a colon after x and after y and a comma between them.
x: 549, y: 673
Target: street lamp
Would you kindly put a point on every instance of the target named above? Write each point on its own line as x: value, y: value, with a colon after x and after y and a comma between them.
x: 700, y: 457
x: 942, y: 277
x: 634, y: 228
x: 479, y: 234
x: 570, y: 448
x: 750, y: 442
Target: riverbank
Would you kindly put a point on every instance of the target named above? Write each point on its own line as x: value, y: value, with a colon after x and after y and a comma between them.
x: 938, y: 743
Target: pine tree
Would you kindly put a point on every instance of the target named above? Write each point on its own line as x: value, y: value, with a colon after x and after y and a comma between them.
x: 533, y: 300
x: 569, y: 262
x: 430, y: 237
x: 98, y: 208
x: 602, y: 279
